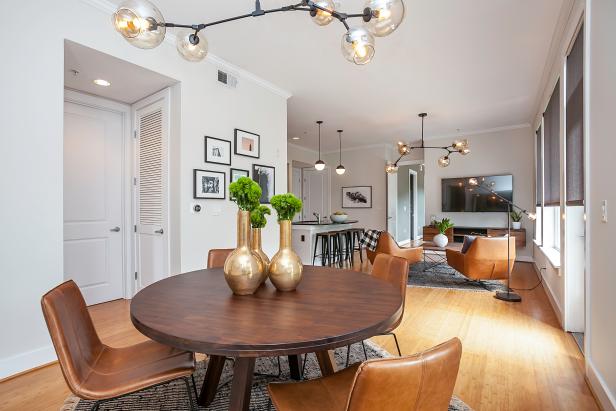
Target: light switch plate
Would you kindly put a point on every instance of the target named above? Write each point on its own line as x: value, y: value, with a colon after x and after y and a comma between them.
x: 604, y: 211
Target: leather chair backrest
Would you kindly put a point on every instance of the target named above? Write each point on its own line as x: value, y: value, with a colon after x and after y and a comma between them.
x: 217, y: 256
x: 395, y: 270
x: 422, y: 382
x: 385, y: 245
x: 72, y: 332
x: 491, y: 248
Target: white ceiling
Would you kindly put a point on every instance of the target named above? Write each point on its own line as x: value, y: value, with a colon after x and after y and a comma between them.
x: 472, y: 65
x: 129, y: 82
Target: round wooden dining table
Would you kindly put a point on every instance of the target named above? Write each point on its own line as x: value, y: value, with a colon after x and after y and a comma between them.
x: 198, y: 312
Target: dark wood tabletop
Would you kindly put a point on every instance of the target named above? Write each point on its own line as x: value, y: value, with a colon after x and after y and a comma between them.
x: 198, y: 312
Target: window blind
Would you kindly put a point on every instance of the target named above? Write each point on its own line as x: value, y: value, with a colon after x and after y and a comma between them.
x: 539, y: 167
x: 551, y: 149
x: 574, y: 137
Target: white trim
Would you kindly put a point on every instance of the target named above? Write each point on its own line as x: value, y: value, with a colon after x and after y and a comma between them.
x: 356, y: 148
x: 553, y: 256
x: 525, y: 259
x: 108, y: 7
x: 309, y: 150
x: 413, y: 176
x: 27, y: 360
x: 599, y: 387
x: 551, y: 296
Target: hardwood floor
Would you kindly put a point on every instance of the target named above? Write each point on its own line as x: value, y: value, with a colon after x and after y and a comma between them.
x: 515, y: 355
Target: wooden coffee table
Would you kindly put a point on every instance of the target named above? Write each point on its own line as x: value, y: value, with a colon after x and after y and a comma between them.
x: 433, y: 255
x: 198, y: 312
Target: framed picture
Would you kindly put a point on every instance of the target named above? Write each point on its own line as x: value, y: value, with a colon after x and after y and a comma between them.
x: 237, y: 173
x: 209, y: 184
x: 247, y: 144
x: 217, y: 151
x: 357, y: 197
x: 265, y: 176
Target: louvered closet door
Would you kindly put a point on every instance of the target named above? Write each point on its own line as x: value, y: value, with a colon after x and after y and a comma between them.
x: 152, y: 248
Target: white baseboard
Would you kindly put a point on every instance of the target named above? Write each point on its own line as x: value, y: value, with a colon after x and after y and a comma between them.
x: 27, y: 360
x: 551, y: 298
x: 599, y: 387
x: 525, y: 259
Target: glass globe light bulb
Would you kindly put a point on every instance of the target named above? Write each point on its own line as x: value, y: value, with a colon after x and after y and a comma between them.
x: 473, y: 181
x: 140, y: 23
x: 403, y: 148
x: 385, y: 16
x: 391, y: 168
x: 443, y: 161
x: 319, y: 165
x: 191, y: 46
x: 322, y: 17
x: 358, y: 46
x: 465, y: 151
x: 340, y: 170
x: 532, y: 216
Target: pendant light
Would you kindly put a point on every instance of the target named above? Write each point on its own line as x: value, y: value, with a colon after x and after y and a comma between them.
x: 320, y: 164
x: 340, y: 169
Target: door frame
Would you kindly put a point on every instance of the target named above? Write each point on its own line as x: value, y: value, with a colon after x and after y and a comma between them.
x: 387, y: 188
x: 101, y: 103
x: 165, y: 96
x: 413, y: 202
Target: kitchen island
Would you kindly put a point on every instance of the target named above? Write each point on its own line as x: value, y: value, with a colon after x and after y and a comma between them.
x: 304, y: 234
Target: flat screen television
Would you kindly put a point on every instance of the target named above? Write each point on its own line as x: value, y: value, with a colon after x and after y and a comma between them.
x: 459, y: 196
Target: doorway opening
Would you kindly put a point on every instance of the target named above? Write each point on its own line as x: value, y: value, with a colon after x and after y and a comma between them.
x: 105, y: 144
x: 406, y: 202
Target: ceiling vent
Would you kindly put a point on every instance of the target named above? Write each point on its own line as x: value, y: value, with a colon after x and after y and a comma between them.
x: 227, y: 79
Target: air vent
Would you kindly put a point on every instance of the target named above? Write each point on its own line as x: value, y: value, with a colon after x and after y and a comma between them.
x: 227, y: 79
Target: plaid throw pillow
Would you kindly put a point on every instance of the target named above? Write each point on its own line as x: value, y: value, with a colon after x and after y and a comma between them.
x: 370, y: 239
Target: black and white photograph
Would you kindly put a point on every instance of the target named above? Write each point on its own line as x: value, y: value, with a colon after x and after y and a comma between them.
x: 265, y: 176
x: 236, y: 173
x: 247, y: 144
x: 217, y: 151
x: 357, y: 197
x: 209, y: 185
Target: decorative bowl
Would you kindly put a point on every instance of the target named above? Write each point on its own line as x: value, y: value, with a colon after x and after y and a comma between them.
x: 339, y: 218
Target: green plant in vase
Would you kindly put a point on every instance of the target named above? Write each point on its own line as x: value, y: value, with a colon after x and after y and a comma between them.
x: 286, y: 267
x: 258, y: 221
x: 244, y: 269
x: 516, y: 219
x: 441, y: 239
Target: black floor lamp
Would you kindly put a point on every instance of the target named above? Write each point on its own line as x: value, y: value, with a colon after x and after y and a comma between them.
x: 505, y: 295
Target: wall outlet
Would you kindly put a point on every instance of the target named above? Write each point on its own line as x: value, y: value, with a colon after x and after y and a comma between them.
x: 604, y: 211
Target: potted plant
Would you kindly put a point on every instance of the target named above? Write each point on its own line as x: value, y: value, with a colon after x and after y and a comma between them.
x: 516, y: 220
x: 441, y: 239
x: 258, y: 221
x: 286, y: 267
x: 243, y: 268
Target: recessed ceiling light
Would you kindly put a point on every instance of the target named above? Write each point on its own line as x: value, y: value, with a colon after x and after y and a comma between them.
x: 295, y: 138
x: 101, y: 82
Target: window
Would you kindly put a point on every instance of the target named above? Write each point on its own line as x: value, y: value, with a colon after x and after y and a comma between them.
x: 539, y: 185
x: 574, y: 122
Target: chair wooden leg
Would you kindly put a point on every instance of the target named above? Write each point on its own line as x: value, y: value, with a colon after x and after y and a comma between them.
x: 188, y: 391
x: 365, y: 353
x: 348, y: 356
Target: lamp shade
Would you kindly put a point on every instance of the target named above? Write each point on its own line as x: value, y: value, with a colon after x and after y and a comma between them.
x: 358, y: 46
x: 140, y: 23
x: 191, y: 46
x: 322, y: 17
x: 386, y: 16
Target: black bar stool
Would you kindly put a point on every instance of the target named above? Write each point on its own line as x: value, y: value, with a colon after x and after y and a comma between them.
x: 356, y: 236
x: 331, y: 247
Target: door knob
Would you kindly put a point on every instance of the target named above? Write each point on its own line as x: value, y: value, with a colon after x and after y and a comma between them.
x: 115, y: 229
x: 159, y: 231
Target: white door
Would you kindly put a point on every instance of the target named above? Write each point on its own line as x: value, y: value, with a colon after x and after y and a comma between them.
x: 392, y: 204
x: 151, y: 189
x: 315, y: 193
x: 93, y: 212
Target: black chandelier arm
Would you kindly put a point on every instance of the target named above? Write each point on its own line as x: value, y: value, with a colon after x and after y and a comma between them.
x: 308, y: 6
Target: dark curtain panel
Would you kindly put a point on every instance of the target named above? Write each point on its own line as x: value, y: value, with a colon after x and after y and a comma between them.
x: 551, y: 149
x: 539, y: 168
x: 574, y: 137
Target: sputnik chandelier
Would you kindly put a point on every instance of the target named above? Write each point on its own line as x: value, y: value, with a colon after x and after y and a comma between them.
x: 458, y: 146
x: 142, y: 25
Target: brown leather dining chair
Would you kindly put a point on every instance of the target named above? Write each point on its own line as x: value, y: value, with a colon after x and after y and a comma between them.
x: 216, y: 257
x: 387, y: 245
x: 394, y: 270
x: 95, y: 371
x: 420, y: 382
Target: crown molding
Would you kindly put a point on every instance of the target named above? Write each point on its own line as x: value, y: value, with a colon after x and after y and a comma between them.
x: 480, y: 131
x: 170, y: 38
x: 302, y: 148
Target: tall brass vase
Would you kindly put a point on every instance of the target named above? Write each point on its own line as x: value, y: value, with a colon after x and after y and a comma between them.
x: 243, y: 268
x: 286, y: 267
x: 256, y: 246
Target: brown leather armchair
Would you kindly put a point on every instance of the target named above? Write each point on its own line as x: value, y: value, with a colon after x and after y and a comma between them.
x: 95, y: 371
x: 486, y: 258
x: 421, y: 382
x: 387, y: 245
x: 216, y: 257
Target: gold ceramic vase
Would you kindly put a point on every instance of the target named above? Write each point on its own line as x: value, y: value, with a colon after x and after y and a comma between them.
x: 243, y: 268
x: 286, y: 267
x: 255, y: 245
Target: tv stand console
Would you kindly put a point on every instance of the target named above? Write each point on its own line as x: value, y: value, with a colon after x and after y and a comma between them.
x: 458, y: 233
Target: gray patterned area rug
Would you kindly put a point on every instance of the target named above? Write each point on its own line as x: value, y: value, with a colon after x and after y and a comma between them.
x: 443, y: 276
x: 173, y: 396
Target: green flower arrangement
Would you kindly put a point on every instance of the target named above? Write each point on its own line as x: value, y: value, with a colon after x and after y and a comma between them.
x: 257, y: 216
x: 444, y: 225
x: 286, y: 205
x: 246, y: 193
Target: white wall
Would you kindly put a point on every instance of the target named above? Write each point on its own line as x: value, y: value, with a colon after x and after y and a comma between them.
x: 601, y: 282
x: 31, y: 140
x: 502, y: 152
